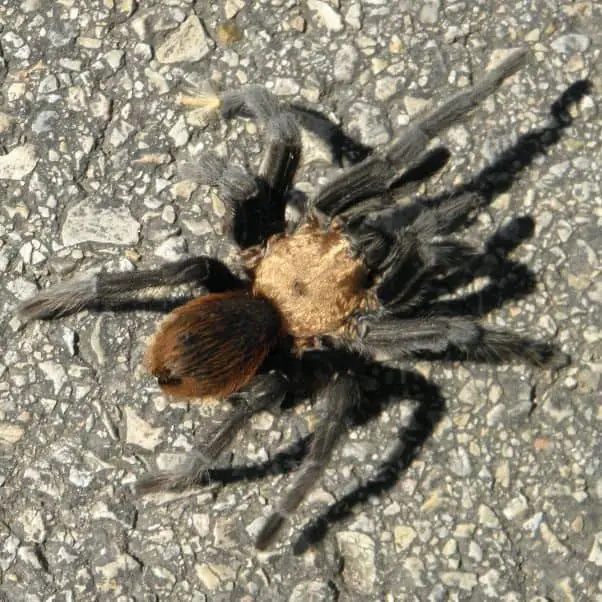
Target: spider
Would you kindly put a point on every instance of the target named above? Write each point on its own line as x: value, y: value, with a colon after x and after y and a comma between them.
x: 334, y: 281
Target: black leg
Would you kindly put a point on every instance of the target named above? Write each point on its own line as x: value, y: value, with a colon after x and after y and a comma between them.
x: 395, y: 338
x: 256, y: 204
x: 377, y: 173
x: 263, y: 392
x: 114, y: 289
x: 340, y: 395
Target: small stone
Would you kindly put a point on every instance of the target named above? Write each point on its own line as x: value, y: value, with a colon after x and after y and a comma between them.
x: 327, y: 15
x: 369, y: 122
x: 429, y: 12
x: 386, y: 87
x: 10, y: 433
x: 18, y: 163
x: 285, y: 86
x: 139, y: 432
x: 48, y: 85
x: 228, y: 33
x: 233, y: 7
x: 460, y: 462
x: 345, y: 63
x: 179, y: 132
x: 358, y: 551
x: 532, y: 524
x: 462, y: 580
x: 189, y: 43
x: 115, y: 59
x: 45, y: 121
x: 404, y: 536
x: 487, y: 517
x: 554, y: 544
x: 299, y: 24
x: 571, y: 43
x: 312, y: 591
x: 200, y: 523
x: 595, y: 554
x: 80, y: 478
x: 212, y: 575
x: 168, y: 215
x: 475, y: 552
x: 172, y: 249
x: 92, y: 221
x: 516, y: 507
x: 450, y: 547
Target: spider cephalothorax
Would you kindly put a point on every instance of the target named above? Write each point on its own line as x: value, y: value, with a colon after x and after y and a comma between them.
x: 335, y: 281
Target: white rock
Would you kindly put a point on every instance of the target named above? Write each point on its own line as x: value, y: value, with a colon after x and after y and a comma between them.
x: 571, y: 43
x: 18, y: 163
x: 429, y: 12
x: 188, y: 43
x: 328, y: 16
x: 459, y: 579
x: 345, y: 63
x: 90, y: 221
x: 595, y: 554
x: 139, y: 432
x: 358, y: 551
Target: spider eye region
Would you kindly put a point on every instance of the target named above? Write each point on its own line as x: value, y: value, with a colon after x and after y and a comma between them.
x: 213, y: 345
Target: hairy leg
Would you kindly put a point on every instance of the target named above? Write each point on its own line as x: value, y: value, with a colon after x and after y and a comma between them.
x: 115, y: 289
x: 256, y: 203
x: 398, y: 338
x: 341, y: 394
x: 263, y: 392
x: 378, y: 172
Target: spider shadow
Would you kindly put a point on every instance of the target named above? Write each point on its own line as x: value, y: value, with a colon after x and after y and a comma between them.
x: 500, y: 175
x: 508, y: 280
x: 381, y: 387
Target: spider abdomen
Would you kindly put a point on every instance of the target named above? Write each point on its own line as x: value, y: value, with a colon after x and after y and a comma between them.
x: 213, y: 345
x: 313, y: 280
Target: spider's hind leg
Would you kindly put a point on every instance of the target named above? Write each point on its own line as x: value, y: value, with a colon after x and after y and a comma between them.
x: 401, y: 338
x: 339, y: 396
x: 263, y: 392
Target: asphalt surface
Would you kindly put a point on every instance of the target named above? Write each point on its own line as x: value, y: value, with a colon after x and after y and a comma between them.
x: 501, y: 501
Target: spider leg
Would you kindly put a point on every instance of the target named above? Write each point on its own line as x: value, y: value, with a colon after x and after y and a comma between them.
x: 256, y: 203
x: 399, y: 338
x: 113, y: 289
x: 340, y: 395
x: 409, y: 259
x: 263, y: 392
x: 376, y: 174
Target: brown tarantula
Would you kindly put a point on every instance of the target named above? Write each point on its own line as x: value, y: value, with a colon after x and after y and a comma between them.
x: 337, y: 281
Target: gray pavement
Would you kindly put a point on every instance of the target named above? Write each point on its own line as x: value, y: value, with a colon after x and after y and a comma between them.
x: 502, y: 502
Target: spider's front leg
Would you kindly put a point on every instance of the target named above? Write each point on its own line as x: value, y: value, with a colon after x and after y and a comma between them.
x: 255, y: 204
x: 338, y: 397
x: 352, y: 193
x: 263, y: 392
x: 111, y: 290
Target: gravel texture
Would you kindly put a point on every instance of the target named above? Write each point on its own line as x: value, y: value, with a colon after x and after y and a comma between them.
x: 502, y: 502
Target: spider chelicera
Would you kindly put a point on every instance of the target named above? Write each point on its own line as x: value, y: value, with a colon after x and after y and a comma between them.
x: 336, y: 281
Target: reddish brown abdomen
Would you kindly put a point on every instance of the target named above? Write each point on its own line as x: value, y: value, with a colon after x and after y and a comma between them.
x: 213, y: 345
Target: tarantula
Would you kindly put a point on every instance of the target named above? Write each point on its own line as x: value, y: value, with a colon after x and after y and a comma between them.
x: 336, y: 281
